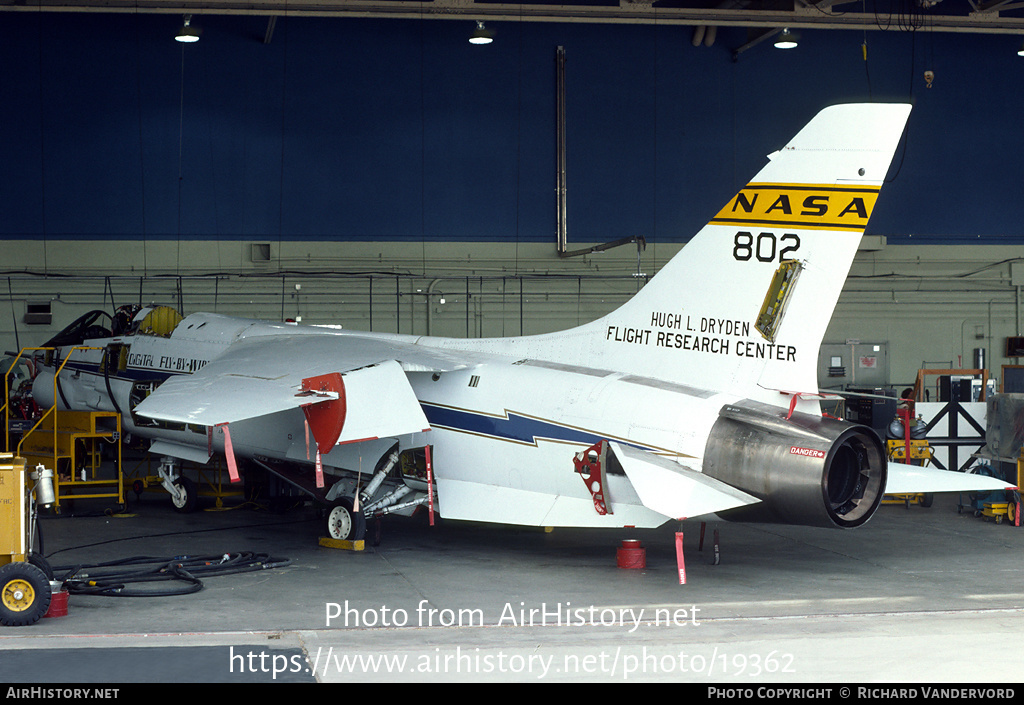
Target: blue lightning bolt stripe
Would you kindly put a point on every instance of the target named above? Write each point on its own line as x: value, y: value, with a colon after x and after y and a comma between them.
x: 514, y: 427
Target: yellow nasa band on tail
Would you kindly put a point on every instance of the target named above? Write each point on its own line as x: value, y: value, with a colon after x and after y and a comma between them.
x: 831, y: 207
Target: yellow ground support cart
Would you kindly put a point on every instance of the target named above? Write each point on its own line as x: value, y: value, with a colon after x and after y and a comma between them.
x: 25, y: 591
x: 70, y: 442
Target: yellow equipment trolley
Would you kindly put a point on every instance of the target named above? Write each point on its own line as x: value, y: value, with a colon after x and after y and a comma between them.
x: 24, y: 583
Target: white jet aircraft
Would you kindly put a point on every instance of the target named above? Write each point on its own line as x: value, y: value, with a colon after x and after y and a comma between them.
x: 698, y: 396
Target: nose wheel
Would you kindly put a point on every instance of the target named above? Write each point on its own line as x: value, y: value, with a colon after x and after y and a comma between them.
x: 186, y: 498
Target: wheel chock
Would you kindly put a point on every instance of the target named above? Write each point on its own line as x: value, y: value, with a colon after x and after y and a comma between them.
x: 327, y: 542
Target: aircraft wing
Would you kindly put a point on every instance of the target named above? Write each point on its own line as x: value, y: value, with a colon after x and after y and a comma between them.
x: 914, y: 479
x: 668, y: 488
x: 267, y: 374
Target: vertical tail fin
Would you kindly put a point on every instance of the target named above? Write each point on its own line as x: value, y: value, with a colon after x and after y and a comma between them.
x: 696, y: 322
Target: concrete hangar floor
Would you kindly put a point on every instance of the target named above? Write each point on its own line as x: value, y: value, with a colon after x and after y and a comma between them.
x: 918, y: 594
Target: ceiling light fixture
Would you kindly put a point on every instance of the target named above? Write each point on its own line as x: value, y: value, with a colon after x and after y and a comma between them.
x: 787, y: 40
x: 481, y: 35
x: 188, y: 34
x: 1020, y: 52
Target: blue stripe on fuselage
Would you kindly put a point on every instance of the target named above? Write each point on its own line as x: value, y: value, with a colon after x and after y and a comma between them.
x: 512, y: 427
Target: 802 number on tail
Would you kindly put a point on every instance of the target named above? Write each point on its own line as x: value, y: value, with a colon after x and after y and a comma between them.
x: 765, y: 247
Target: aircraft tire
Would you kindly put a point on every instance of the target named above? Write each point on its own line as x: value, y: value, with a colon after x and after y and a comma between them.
x: 24, y: 594
x: 190, y: 500
x: 344, y: 522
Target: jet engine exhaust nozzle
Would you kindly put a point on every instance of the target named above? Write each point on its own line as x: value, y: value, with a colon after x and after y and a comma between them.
x: 807, y: 470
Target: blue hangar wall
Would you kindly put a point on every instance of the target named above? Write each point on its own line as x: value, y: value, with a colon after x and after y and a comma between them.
x: 358, y: 129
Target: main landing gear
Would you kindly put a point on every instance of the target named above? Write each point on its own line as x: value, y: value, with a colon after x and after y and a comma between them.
x: 347, y: 514
x: 345, y: 522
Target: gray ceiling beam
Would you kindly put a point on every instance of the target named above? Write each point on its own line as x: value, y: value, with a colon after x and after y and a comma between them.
x: 986, y: 22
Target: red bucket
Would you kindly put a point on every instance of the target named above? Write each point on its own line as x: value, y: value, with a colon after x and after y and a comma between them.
x: 631, y: 555
x: 58, y: 604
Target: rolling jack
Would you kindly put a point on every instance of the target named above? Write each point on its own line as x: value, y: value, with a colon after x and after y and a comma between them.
x: 25, y: 591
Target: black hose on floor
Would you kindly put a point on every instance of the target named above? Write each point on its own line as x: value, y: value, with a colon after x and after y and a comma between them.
x: 112, y: 579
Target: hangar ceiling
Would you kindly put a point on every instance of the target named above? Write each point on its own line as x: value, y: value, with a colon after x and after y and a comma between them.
x: 762, y: 16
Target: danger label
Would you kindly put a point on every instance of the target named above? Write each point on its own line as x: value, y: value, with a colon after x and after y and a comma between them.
x: 806, y: 452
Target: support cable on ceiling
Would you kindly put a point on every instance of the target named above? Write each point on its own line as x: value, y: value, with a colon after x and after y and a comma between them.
x: 284, y: 134
x: 181, y: 148
x: 142, y: 145
x: 42, y: 147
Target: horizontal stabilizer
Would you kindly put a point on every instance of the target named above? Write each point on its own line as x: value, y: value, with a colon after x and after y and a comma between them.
x: 668, y: 488
x: 914, y: 479
x: 477, y: 501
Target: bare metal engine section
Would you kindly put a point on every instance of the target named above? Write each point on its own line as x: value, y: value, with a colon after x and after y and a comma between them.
x: 808, y: 470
